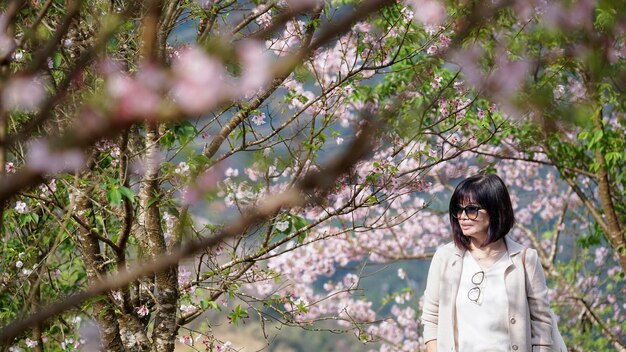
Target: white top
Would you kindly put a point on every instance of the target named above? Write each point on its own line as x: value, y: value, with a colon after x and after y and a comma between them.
x: 482, y: 326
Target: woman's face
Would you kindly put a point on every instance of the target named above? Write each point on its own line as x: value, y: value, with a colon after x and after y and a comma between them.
x: 474, y: 228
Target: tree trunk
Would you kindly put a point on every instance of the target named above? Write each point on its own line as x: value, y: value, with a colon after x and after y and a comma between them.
x: 153, y: 243
x: 94, y: 264
x: 614, y: 233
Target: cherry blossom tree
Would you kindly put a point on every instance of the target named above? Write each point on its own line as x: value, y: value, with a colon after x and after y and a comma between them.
x: 267, y: 168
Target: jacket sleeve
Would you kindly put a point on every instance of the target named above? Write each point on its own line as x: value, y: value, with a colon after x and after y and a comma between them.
x: 538, y: 304
x: 430, y: 313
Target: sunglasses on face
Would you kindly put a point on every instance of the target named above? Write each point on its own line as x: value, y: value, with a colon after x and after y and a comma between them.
x: 470, y: 210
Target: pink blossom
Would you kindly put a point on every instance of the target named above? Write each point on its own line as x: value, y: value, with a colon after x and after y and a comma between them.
x: 30, y: 343
x: 169, y: 224
x: 23, y: 93
x: 444, y: 40
x: 9, y: 168
x: 256, y: 67
x: 21, y: 207
x: 364, y: 27
x: 152, y: 76
x: 611, y: 298
x: 48, y: 188
x: 524, y: 10
x: 577, y: 89
x: 115, y: 154
x: 187, y: 308
x: 265, y: 19
x: 601, y: 254
x: 132, y: 98
x: 68, y: 342
x: 401, y: 274
x: 117, y: 295
x: 390, y: 331
x: 18, y: 55
x: 400, y: 299
x: 432, y: 29
x: 7, y: 43
x: 203, y: 183
x: 559, y: 91
x: 468, y: 60
x: 508, y: 77
x: 302, y: 5
x: 258, y: 119
x: 407, y: 13
x: 335, y: 61
x: 351, y: 281
x: 406, y: 316
x: 41, y: 157
x: 186, y: 339
x: 182, y: 169
x: 231, y: 172
x: 614, y: 270
x: 289, y: 39
x: 225, y: 347
x: 503, y: 82
x: 142, y: 310
x: 184, y: 275
x: 282, y: 225
x: 252, y: 173
x: 429, y: 12
x: 578, y: 15
x: 436, y: 83
x: 200, y: 81
x: 359, y: 311
x: 190, y: 195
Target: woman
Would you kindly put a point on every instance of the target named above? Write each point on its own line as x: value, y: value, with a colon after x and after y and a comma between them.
x: 476, y: 297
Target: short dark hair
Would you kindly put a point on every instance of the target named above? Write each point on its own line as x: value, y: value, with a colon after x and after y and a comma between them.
x: 490, y: 192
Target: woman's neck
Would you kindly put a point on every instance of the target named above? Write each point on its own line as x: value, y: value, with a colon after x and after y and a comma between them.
x: 492, y: 248
x: 488, y: 255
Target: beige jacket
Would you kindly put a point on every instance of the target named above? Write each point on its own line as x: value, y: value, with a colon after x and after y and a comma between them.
x: 530, y: 325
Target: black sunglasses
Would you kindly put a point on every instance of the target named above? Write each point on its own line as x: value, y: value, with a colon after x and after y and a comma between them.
x: 470, y: 210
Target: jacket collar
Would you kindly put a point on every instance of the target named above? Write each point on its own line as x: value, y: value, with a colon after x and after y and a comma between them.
x: 458, y: 251
x: 513, y: 247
